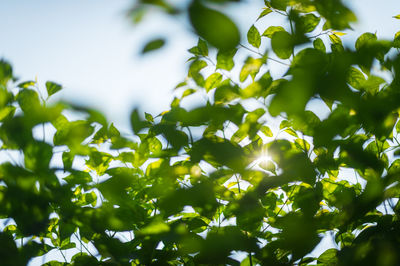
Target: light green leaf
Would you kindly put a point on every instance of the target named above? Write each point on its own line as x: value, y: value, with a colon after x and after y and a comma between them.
x: 225, y: 59
x: 284, y: 124
x: 196, y: 66
x: 201, y: 48
x: 265, y: 12
x: 253, y: 37
x: 251, y: 67
x: 212, y: 81
x: 6, y: 112
x: 302, y: 144
x: 291, y: 132
x: 271, y: 30
x: 266, y: 131
x: 335, y: 39
x: 268, y: 165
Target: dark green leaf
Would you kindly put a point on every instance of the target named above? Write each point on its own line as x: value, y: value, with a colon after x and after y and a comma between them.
x: 52, y: 88
x: 153, y: 45
x: 213, y: 26
x: 282, y: 44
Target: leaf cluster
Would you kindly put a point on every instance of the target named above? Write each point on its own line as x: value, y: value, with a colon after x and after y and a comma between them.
x: 256, y: 169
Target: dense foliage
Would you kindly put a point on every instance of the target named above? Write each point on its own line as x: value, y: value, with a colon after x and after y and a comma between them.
x: 258, y: 174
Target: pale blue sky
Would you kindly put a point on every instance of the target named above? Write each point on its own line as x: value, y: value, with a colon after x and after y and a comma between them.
x: 90, y: 47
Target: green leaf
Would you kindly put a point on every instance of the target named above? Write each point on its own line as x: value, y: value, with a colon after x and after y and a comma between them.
x: 26, y: 84
x: 396, y: 40
x: 329, y: 257
x: 28, y: 100
x: 7, y: 112
x: 266, y: 131
x: 373, y: 83
x: 356, y: 78
x: 6, y: 72
x: 271, y: 30
x: 284, y: 124
x: 302, y: 144
x: 52, y: 88
x: 226, y: 93
x: 225, y: 59
x: 364, y: 40
x: 137, y: 123
x: 196, y: 66
x: 67, y: 159
x: 290, y: 131
x: 213, y: 26
x: 309, y: 22
x: 219, y: 152
x: 201, y: 49
x: 319, y: 45
x: 282, y: 44
x: 279, y: 4
x: 153, y: 45
x: 268, y: 166
x: 73, y: 133
x: 148, y: 117
x: 155, y: 228
x: 37, y: 156
x: 336, y: 14
x: 265, y: 12
x: 253, y: 37
x: 335, y: 39
x: 212, y: 81
x: 251, y: 67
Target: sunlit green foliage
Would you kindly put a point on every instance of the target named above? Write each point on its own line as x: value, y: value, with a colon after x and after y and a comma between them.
x: 197, y: 185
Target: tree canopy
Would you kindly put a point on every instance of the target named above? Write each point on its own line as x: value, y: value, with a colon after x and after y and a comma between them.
x: 257, y: 175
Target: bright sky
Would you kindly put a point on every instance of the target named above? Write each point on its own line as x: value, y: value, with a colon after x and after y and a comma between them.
x: 90, y: 47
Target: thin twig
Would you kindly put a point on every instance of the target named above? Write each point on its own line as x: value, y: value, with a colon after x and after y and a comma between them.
x: 281, y: 208
x: 260, y: 54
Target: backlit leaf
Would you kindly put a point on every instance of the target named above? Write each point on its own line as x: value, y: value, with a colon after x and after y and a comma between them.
x: 253, y: 37
x: 225, y: 59
x: 271, y: 30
